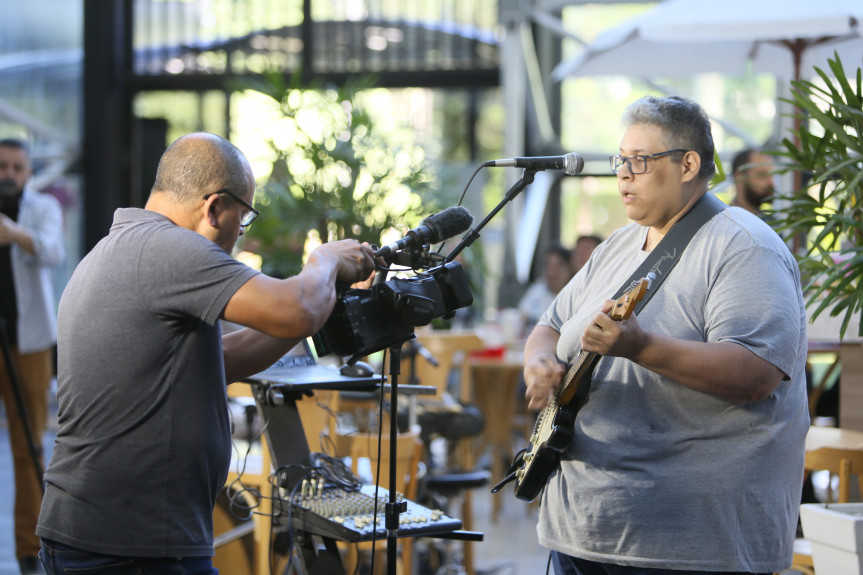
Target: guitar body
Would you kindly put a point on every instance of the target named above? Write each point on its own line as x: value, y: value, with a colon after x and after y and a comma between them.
x: 551, y: 436
x: 555, y: 425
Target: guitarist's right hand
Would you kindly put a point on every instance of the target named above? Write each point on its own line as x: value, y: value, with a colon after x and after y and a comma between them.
x: 542, y: 376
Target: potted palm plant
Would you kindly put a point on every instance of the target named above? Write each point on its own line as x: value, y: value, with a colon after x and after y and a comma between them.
x: 826, y: 152
x: 827, y: 210
x: 827, y: 149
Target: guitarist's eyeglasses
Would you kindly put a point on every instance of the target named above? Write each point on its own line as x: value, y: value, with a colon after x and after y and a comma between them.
x: 638, y: 163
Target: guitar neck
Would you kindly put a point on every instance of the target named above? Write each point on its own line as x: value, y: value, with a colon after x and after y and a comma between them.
x: 621, y: 310
x: 583, y: 366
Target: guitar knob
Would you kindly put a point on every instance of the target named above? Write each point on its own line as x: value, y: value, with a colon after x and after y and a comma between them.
x: 519, y: 474
x: 534, y: 439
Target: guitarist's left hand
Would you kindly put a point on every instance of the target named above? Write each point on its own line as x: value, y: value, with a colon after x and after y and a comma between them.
x: 605, y: 336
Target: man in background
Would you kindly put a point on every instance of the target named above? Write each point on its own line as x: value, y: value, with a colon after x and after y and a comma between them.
x: 753, y: 180
x: 31, y: 244
x: 539, y: 295
x: 584, y: 246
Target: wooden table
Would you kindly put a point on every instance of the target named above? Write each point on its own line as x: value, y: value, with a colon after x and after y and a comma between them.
x: 494, y: 386
x: 819, y: 437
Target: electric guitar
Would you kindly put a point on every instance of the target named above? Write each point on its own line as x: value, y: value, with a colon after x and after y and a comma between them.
x: 554, y: 428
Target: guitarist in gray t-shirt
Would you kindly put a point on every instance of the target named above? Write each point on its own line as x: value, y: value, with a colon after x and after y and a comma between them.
x: 687, y: 456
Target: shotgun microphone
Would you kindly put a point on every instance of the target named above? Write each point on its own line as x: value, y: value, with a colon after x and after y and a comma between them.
x: 435, y: 228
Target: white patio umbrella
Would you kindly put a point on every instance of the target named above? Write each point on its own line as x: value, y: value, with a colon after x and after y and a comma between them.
x: 683, y: 37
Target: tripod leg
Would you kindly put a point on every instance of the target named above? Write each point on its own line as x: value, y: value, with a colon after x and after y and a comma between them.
x: 14, y: 384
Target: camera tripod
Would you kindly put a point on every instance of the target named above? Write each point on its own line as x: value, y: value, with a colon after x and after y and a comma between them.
x: 35, y: 448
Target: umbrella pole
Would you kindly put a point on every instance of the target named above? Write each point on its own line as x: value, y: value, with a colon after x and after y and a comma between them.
x: 797, y: 47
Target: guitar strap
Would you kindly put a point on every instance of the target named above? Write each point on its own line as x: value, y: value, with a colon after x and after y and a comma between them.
x: 667, y: 253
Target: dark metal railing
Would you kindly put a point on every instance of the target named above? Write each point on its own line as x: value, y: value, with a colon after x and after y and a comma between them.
x: 176, y: 37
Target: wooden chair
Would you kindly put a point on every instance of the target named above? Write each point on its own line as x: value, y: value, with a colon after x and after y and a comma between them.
x: 363, y: 448
x: 843, y: 462
x: 317, y: 414
x: 252, y: 475
x: 451, y: 350
x: 235, y: 550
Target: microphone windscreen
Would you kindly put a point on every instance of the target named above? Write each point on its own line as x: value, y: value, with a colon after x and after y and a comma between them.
x: 574, y: 163
x: 448, y: 223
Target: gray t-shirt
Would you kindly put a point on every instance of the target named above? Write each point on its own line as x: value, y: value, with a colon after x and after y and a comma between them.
x: 144, y: 441
x: 659, y: 475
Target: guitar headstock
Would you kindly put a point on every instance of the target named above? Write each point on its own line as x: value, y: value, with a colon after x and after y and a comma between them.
x: 625, y: 304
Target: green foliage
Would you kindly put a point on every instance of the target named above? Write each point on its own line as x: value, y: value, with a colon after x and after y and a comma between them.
x: 828, y: 210
x: 719, y: 176
x: 336, y: 174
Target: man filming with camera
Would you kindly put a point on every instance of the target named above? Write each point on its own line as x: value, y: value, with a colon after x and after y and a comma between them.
x: 144, y: 441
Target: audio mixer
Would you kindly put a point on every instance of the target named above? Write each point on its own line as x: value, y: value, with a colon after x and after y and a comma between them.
x: 350, y: 515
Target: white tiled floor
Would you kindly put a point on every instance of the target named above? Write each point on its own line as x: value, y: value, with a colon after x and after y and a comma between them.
x: 510, y: 544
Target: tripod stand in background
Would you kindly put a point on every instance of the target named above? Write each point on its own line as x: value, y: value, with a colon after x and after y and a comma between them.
x: 34, y: 446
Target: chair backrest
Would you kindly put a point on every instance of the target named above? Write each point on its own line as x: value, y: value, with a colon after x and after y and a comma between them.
x: 844, y: 462
x: 364, y: 447
x: 447, y: 348
x: 318, y: 415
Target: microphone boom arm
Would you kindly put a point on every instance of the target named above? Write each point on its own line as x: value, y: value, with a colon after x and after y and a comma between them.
x: 472, y: 234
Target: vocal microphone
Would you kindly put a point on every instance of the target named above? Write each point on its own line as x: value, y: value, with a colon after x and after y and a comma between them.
x: 570, y: 163
x: 435, y: 228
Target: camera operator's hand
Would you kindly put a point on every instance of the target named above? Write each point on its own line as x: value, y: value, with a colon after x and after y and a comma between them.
x: 369, y: 281
x: 354, y: 261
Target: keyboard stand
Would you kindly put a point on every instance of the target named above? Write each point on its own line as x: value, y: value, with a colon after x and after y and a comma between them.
x: 315, y: 551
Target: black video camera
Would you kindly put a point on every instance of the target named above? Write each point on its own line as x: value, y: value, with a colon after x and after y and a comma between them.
x: 366, y: 321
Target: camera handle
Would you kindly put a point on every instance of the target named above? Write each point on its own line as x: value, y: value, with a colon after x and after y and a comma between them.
x: 472, y: 234
x: 35, y: 450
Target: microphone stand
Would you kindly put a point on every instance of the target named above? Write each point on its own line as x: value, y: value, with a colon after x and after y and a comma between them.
x: 414, y: 348
x: 473, y: 234
x: 35, y: 450
x: 393, y: 508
